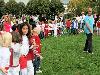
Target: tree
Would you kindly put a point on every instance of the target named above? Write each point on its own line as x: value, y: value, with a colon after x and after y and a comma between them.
x: 44, y: 7
x: 76, y: 6
x: 38, y: 7
x: 12, y: 7
x: 56, y: 7
x: 21, y: 8
x: 2, y: 5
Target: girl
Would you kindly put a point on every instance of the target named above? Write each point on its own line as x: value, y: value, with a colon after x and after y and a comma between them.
x: 7, y: 24
x: 15, y: 54
x: 5, y: 43
x: 25, y: 66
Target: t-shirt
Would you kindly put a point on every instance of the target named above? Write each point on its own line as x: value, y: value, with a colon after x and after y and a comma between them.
x: 90, y: 21
x: 68, y: 24
x: 7, y: 26
x: 98, y: 24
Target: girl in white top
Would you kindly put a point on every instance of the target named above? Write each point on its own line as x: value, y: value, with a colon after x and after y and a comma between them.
x: 55, y: 28
x: 5, y: 43
x: 25, y: 65
x: 15, y: 54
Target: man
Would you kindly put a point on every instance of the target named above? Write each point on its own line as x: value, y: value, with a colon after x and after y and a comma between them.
x: 89, y: 21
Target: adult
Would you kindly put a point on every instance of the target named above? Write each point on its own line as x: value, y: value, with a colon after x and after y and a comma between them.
x: 89, y: 21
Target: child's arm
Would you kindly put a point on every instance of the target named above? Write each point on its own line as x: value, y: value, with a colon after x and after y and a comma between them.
x: 3, y: 70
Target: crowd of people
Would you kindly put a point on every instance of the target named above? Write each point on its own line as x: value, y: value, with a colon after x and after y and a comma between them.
x: 20, y: 47
x: 20, y: 39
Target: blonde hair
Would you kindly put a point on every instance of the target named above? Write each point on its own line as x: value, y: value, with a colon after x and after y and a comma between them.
x: 5, y: 39
x: 8, y: 18
x: 36, y: 30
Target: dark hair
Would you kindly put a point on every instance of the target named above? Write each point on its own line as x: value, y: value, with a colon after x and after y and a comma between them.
x: 16, y: 37
x: 14, y: 27
x: 20, y: 26
x: 33, y: 26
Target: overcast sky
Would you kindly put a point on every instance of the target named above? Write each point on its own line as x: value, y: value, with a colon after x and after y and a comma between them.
x: 26, y: 1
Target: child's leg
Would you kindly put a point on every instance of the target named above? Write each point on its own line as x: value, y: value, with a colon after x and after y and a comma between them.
x: 23, y: 71
x: 14, y: 71
x: 97, y: 30
x: 23, y: 65
x: 30, y: 68
x: 38, y: 63
x: 35, y: 65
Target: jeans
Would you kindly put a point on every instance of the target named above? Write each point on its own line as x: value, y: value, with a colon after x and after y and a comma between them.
x: 88, y: 44
x: 41, y: 35
x: 36, y: 64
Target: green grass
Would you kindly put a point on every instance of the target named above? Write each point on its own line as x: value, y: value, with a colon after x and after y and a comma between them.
x: 64, y: 56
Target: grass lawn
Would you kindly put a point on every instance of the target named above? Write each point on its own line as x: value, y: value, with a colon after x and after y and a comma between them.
x: 64, y: 56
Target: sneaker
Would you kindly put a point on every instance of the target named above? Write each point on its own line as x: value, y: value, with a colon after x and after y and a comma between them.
x: 91, y: 53
x: 39, y: 71
x: 85, y: 51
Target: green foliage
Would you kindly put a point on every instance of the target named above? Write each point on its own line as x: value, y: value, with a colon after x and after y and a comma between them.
x: 77, y: 6
x: 64, y: 56
x: 11, y: 7
x: 2, y: 5
x: 33, y: 7
x: 56, y: 7
x: 44, y: 7
x: 21, y: 8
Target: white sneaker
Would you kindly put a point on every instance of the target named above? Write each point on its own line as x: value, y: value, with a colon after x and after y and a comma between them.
x: 39, y: 71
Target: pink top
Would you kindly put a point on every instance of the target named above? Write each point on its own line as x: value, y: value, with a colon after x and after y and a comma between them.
x: 7, y: 26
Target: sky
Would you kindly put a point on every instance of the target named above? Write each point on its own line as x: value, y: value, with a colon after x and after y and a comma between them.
x: 26, y: 1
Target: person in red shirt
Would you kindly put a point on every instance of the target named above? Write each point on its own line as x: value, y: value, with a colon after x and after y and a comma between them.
x: 98, y: 26
x: 68, y: 24
x: 37, y: 51
x: 46, y: 31
x: 7, y: 24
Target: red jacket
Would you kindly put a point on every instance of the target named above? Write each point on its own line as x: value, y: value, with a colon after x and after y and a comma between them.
x: 38, y: 42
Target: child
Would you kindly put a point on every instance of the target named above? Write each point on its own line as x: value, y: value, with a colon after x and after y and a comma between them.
x: 46, y: 31
x: 98, y: 26
x: 5, y: 43
x: 55, y: 28
x: 74, y: 26
x: 38, y: 50
x: 7, y: 24
x: 25, y: 65
x: 68, y: 25
x: 51, y: 29
x: 15, y: 28
x: 15, y: 54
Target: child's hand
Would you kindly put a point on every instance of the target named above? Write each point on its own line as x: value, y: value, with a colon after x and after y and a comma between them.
x: 38, y: 55
x: 41, y: 57
x: 4, y: 70
x: 34, y: 47
x: 34, y: 51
